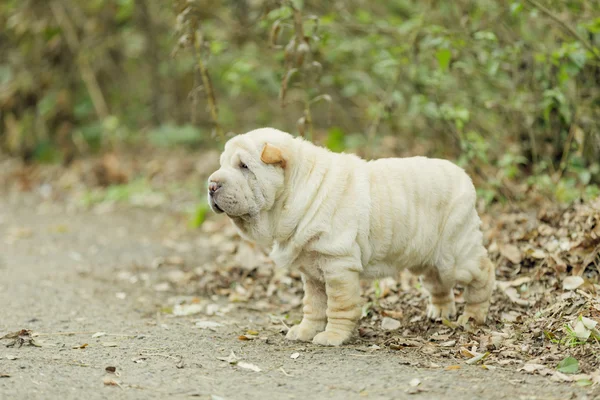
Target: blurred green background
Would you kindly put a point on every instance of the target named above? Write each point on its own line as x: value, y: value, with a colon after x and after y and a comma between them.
x: 508, y: 89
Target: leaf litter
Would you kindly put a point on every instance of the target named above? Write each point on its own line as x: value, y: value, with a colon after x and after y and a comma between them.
x: 235, y: 360
x: 545, y: 307
x: 246, y: 365
x: 20, y: 338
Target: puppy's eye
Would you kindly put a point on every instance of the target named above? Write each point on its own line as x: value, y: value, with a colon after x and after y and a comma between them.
x: 243, y: 166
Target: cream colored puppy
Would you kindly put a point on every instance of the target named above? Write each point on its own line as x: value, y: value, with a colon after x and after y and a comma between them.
x: 338, y: 218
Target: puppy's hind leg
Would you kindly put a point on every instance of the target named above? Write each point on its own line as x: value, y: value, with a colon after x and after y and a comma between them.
x: 441, y: 296
x: 315, y: 308
x: 479, y: 281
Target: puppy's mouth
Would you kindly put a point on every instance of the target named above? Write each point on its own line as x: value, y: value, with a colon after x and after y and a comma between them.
x: 216, y: 207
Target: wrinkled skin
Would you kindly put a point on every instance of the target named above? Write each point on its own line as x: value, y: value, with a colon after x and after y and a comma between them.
x: 248, y: 188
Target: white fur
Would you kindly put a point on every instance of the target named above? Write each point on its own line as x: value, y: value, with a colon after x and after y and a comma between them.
x: 337, y: 217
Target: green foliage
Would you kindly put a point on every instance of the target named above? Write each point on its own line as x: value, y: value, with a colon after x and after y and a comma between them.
x: 335, y: 140
x: 569, y: 365
x: 199, y: 215
x: 506, y: 88
x: 132, y: 192
x: 171, y: 135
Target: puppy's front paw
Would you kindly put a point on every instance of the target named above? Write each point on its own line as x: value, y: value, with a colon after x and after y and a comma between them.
x: 329, y: 338
x: 304, y: 332
x: 444, y: 310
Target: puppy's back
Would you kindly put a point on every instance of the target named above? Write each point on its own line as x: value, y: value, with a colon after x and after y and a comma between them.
x: 415, y: 202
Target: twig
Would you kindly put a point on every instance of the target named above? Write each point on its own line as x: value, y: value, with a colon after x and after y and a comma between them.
x: 79, y: 333
x: 281, y: 320
x: 87, y: 73
x: 562, y: 165
x: 565, y: 26
x: 206, y: 82
x: 506, y: 191
x: 384, y: 105
x: 388, y: 100
x: 148, y: 27
x: 363, y: 355
x: 62, y: 333
x: 160, y: 355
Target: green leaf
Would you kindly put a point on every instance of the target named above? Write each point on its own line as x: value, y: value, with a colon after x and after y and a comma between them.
x: 516, y: 7
x: 46, y: 152
x: 584, y: 382
x: 125, y: 9
x: 6, y: 74
x: 336, y: 140
x: 569, y: 365
x: 169, y: 135
x: 47, y: 106
x: 443, y: 56
x: 199, y: 215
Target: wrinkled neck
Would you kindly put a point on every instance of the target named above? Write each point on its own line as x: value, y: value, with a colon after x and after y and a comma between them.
x: 302, y: 182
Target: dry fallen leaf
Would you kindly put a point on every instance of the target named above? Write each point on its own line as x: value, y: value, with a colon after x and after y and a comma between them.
x: 108, y: 381
x: 572, y: 282
x: 538, y: 253
x: 512, y: 253
x: 231, y: 359
x: 477, y: 358
x: 249, y: 366
x: 452, y: 367
x: 584, y: 327
x: 175, y: 260
x: 402, y: 343
x: 512, y: 293
x: 532, y: 368
x: 24, y: 336
x: 560, y: 377
x: 396, y: 314
x: 208, y: 325
x: 181, y: 310
x: 390, y: 324
x: 83, y: 346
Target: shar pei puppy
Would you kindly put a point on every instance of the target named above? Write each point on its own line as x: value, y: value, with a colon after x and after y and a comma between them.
x: 338, y: 218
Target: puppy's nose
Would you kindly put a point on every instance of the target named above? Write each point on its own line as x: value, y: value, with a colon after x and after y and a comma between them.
x: 213, y: 187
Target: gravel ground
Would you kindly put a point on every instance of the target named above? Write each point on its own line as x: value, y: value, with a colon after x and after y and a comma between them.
x: 58, y: 272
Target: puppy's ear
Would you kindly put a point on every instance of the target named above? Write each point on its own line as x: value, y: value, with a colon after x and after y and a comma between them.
x: 272, y: 155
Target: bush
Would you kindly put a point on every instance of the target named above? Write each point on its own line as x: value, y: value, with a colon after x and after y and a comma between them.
x: 508, y: 88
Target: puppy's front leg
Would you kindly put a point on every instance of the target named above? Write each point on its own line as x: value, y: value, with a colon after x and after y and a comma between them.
x: 315, y: 305
x: 343, y: 306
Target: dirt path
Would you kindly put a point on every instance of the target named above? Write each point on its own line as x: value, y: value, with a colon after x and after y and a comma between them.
x: 60, y: 272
